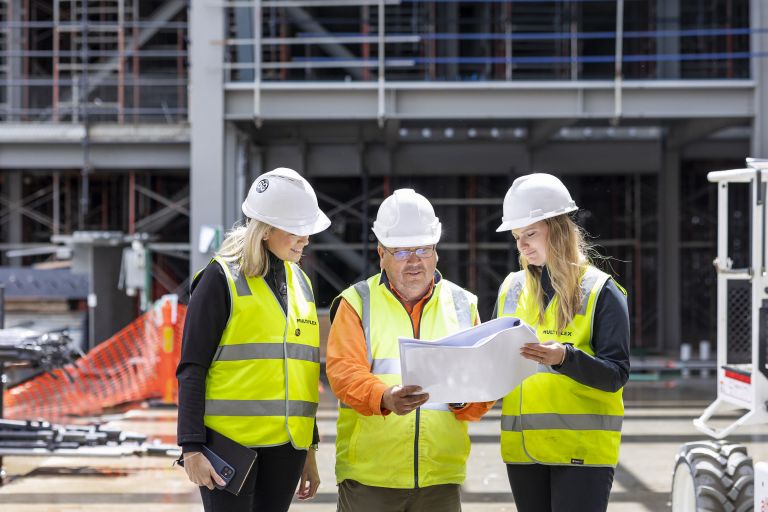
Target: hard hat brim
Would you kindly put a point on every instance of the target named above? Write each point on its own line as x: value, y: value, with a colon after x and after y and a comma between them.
x: 408, y: 241
x: 509, y: 225
x: 321, y: 222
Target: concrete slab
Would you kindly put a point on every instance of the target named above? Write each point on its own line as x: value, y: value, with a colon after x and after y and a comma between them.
x: 658, y: 420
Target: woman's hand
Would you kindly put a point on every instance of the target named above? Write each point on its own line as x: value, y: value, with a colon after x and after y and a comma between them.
x: 310, y: 478
x: 200, y: 471
x: 549, y: 352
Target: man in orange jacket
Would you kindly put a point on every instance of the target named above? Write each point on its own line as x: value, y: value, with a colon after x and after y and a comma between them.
x: 414, y: 460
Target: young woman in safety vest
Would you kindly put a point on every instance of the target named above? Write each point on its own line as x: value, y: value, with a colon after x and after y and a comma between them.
x: 250, y: 359
x: 560, y: 429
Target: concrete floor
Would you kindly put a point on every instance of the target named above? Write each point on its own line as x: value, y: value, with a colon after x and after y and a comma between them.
x: 659, y: 415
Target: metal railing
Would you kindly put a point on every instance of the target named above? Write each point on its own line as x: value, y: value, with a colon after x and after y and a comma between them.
x: 482, y: 40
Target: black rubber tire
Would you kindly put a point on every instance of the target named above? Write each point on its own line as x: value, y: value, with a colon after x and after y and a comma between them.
x: 722, y: 473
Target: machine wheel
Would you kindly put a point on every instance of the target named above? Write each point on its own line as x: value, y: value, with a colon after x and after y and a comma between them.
x: 713, y: 476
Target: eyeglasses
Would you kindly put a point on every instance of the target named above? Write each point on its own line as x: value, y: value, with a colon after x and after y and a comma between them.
x: 403, y: 254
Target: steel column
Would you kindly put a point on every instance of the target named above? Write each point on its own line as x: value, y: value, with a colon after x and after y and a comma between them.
x: 669, y: 250
x: 759, y: 69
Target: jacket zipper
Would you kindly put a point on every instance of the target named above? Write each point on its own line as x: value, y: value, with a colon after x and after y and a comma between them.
x: 418, y: 410
x: 285, y: 344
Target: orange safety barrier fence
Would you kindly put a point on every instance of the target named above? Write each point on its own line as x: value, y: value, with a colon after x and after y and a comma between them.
x: 137, y: 363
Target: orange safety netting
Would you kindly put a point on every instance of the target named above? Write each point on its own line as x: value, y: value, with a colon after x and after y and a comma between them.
x: 137, y: 363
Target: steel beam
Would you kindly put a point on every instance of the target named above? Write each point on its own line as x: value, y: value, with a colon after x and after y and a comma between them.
x: 687, y: 132
x: 111, y: 156
x: 540, y: 132
x: 641, y: 100
x: 460, y: 158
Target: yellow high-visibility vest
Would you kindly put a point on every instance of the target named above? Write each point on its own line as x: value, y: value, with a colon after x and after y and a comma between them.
x: 262, y: 387
x: 428, y: 446
x: 558, y: 420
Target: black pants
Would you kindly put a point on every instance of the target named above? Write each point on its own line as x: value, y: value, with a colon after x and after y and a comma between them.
x: 540, y: 488
x: 278, y: 469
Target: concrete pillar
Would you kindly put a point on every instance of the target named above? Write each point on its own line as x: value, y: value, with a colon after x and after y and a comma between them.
x: 668, y: 18
x: 206, y: 115
x: 668, y: 266
x: 759, y: 71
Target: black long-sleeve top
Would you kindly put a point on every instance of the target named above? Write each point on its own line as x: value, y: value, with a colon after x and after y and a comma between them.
x: 608, y: 369
x: 206, y: 319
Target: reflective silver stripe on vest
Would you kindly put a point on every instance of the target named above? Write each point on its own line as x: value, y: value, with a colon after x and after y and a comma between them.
x: 299, y: 408
x: 461, y: 304
x: 435, y: 406
x: 306, y: 290
x: 365, y: 297
x: 247, y: 351
x: 518, y: 281
x: 551, y: 421
x: 513, y: 295
x: 587, y: 283
x: 389, y: 366
x: 241, y: 283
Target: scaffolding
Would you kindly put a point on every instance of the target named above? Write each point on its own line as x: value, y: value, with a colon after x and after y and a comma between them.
x: 82, y: 29
x: 104, y: 60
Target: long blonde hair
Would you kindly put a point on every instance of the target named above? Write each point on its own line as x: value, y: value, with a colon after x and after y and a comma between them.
x: 568, y: 255
x: 244, y: 246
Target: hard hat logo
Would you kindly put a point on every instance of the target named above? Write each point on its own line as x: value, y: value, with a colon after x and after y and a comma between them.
x: 262, y: 185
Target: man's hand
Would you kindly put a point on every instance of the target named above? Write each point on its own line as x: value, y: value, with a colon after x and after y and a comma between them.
x: 403, y: 399
x: 200, y: 471
x: 549, y: 352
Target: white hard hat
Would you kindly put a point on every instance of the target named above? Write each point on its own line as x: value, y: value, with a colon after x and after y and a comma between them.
x: 532, y: 198
x: 285, y: 200
x: 406, y: 219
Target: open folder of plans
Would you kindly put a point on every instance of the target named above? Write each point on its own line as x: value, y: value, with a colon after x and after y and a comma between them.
x: 475, y: 365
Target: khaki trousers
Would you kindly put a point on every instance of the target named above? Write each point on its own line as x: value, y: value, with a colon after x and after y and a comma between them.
x: 356, y: 497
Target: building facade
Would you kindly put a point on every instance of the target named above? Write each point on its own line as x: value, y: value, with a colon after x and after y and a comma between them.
x: 154, y: 116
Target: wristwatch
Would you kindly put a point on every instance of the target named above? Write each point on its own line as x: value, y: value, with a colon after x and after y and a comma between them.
x: 314, y: 446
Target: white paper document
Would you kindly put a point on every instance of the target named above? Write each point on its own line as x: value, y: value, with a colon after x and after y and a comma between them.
x: 475, y: 365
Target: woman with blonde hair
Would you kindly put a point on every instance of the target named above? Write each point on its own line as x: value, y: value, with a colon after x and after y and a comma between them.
x: 561, y: 428
x: 250, y: 357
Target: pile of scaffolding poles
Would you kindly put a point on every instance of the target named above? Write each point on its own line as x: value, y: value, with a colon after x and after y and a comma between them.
x: 44, y: 439
x: 44, y: 351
